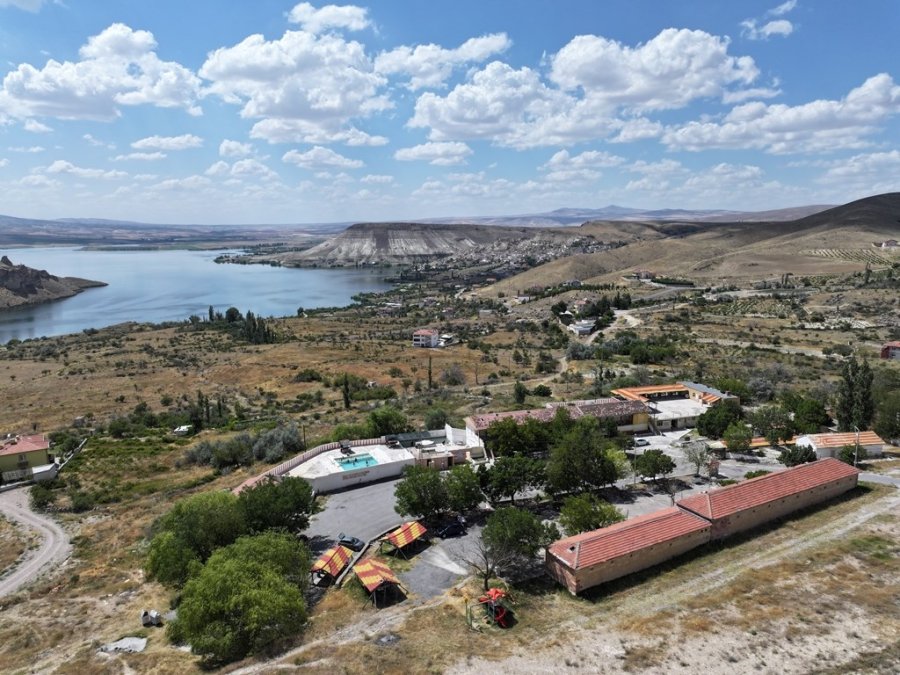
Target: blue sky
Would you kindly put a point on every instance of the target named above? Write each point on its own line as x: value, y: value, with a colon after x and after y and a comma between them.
x: 220, y: 111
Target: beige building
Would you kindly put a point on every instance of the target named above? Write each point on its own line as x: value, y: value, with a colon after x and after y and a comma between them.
x: 592, y: 558
x: 595, y: 557
x: 19, y: 455
x: 760, y: 500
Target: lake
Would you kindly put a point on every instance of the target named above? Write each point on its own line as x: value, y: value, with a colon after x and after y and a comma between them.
x: 156, y: 286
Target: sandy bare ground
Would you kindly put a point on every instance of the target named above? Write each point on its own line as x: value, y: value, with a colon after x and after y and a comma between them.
x: 603, y: 649
x: 53, y: 550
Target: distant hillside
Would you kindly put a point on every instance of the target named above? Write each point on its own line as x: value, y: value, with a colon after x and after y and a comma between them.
x: 371, y: 243
x: 835, y: 241
x: 21, y: 285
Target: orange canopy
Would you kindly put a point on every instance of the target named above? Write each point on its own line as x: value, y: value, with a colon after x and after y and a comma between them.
x: 333, y: 560
x: 373, y: 574
x: 406, y: 534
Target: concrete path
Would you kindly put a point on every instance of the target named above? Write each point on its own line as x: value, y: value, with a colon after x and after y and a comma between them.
x: 55, y: 546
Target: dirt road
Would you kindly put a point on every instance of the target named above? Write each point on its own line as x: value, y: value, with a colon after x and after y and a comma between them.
x: 53, y: 550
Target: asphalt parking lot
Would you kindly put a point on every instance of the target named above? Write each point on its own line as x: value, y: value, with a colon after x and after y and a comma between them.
x: 368, y: 512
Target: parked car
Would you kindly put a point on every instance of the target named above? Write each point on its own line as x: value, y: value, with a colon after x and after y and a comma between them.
x: 641, y: 442
x: 451, y: 528
x: 353, y: 543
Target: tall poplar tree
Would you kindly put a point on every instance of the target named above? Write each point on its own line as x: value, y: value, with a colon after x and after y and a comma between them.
x: 855, y: 403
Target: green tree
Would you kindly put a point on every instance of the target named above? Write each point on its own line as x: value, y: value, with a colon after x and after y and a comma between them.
x: 851, y: 454
x: 243, y: 599
x: 233, y: 315
x: 421, y: 493
x: 518, y: 532
x: 714, y: 421
x: 41, y: 497
x: 511, y: 475
x: 583, y: 459
x: 585, y: 512
x: 345, y: 390
x: 855, y: 407
x: 797, y: 454
x: 697, y: 453
x: 388, y: 420
x: 737, y: 437
x: 436, y: 418
x: 463, y: 489
x: 887, y: 415
x: 170, y: 560
x: 653, y: 463
x: 205, y: 521
x: 520, y: 391
x: 773, y: 422
x: 283, y: 504
x: 810, y: 415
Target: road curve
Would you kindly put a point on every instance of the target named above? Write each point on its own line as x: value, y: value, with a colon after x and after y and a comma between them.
x: 54, y: 548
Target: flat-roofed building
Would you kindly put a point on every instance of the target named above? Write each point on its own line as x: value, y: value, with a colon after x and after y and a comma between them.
x: 830, y: 445
x: 756, y: 501
x: 592, y: 558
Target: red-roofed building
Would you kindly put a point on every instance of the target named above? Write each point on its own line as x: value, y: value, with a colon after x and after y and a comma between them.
x: 426, y: 337
x: 595, y: 557
x: 890, y: 350
x: 20, y: 454
x: 756, y: 501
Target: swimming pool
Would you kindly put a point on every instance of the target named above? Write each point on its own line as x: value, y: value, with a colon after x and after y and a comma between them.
x: 356, y: 462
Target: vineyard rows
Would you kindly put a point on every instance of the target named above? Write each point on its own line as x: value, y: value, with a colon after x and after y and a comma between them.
x: 852, y: 254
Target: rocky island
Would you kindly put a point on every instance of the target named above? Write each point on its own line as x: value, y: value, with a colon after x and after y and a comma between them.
x: 21, y: 285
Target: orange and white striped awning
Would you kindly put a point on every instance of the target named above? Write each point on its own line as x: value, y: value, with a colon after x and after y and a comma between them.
x: 406, y: 534
x: 373, y: 574
x: 333, y: 560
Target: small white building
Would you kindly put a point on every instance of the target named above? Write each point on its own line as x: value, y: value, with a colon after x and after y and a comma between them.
x: 582, y: 327
x: 426, y: 337
x: 830, y: 445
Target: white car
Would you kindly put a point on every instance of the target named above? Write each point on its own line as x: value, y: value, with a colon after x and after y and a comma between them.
x: 641, y: 442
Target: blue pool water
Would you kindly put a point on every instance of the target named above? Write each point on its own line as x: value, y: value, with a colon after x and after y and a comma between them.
x: 357, y: 462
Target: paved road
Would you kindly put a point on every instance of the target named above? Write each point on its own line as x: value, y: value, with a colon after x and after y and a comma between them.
x: 53, y: 550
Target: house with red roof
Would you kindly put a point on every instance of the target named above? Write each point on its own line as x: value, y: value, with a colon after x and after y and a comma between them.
x: 19, y: 455
x: 753, y: 502
x: 592, y: 558
x: 891, y: 350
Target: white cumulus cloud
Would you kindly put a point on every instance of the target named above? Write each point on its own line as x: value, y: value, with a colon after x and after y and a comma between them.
x: 430, y: 65
x: 36, y: 127
x: 183, y: 142
x: 118, y: 67
x: 444, y: 153
x: 349, y: 17
x: 61, y: 166
x: 140, y: 157
x: 319, y: 157
x: 301, y: 87
x: 228, y: 148
x: 817, y: 126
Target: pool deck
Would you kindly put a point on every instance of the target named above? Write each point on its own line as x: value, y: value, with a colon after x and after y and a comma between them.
x: 326, y: 463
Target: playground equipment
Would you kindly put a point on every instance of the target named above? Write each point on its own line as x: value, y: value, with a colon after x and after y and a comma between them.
x: 497, y: 607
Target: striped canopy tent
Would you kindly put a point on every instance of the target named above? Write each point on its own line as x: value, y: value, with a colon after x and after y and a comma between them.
x: 405, y: 535
x: 375, y: 576
x: 332, y: 562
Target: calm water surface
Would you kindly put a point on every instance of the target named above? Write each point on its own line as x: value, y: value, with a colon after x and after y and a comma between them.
x: 160, y: 286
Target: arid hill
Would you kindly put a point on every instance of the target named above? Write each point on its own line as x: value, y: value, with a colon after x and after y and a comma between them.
x: 834, y: 241
x: 375, y: 243
x: 21, y: 285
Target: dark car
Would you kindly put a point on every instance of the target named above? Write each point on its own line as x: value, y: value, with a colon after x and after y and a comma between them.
x: 454, y: 528
x: 352, y: 543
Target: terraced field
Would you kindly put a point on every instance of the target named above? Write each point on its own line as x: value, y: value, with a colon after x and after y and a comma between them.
x: 872, y: 256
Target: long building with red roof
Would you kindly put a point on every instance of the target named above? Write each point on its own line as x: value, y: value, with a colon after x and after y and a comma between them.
x: 595, y: 557
x: 753, y: 502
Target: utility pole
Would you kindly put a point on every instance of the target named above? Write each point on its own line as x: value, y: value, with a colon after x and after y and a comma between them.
x: 856, y: 451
